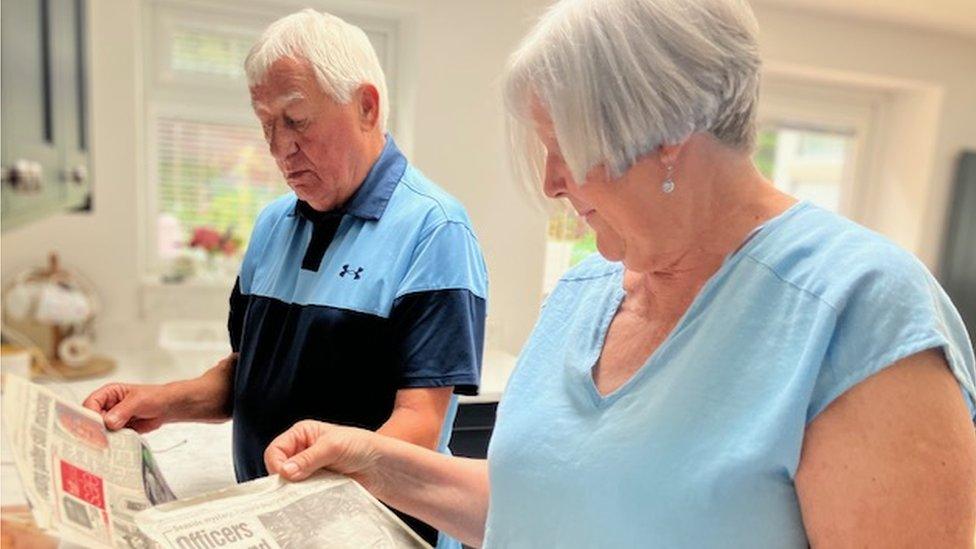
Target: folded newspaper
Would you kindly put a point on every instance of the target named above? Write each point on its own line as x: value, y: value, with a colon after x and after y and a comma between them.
x: 79, y: 479
x: 326, y: 511
x: 99, y: 488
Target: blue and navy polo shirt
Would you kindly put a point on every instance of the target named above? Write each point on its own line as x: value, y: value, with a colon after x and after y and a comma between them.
x: 334, y: 312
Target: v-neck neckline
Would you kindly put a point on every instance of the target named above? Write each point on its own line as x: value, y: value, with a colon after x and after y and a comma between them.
x: 753, y: 239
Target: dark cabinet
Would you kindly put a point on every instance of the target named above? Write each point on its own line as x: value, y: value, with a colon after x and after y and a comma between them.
x: 44, y: 156
x: 473, y: 426
x: 959, y: 255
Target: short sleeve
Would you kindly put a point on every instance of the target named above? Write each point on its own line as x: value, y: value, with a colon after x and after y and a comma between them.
x: 439, y: 339
x: 235, y: 316
x: 446, y: 257
x: 887, y: 313
x: 438, y: 316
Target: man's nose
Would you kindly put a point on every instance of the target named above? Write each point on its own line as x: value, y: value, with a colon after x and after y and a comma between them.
x: 283, y: 143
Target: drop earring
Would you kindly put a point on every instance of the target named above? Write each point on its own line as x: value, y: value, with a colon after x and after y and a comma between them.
x: 668, y: 185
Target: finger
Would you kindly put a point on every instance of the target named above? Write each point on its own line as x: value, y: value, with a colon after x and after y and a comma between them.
x: 284, y: 446
x: 301, y: 465
x: 103, y: 398
x: 120, y: 414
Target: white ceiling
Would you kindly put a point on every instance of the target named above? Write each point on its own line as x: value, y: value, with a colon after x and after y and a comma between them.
x: 957, y: 16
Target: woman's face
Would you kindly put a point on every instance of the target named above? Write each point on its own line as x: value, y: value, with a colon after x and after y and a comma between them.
x: 617, y: 210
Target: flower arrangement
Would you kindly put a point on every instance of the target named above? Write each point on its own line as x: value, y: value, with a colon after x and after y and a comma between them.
x: 209, y: 255
x: 214, y: 242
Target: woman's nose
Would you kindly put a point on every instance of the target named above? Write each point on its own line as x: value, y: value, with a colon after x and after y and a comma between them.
x: 554, y: 184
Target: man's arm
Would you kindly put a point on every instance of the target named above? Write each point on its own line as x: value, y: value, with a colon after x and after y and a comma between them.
x: 145, y: 407
x: 418, y: 415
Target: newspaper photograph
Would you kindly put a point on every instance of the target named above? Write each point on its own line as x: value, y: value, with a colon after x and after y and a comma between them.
x: 80, y: 479
x: 326, y: 511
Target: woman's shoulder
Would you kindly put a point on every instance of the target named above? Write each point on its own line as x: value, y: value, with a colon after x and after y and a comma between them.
x: 833, y: 258
x: 886, y: 304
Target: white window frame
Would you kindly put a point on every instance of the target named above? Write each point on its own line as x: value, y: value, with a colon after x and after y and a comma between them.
x: 206, y: 99
x: 819, y: 104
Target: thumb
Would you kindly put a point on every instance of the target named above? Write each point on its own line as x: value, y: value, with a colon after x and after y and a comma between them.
x: 301, y: 465
x: 120, y: 414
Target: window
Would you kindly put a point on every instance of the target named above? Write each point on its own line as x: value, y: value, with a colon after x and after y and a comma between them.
x: 814, y: 165
x: 569, y: 241
x: 816, y: 137
x: 213, y: 175
x: 209, y: 172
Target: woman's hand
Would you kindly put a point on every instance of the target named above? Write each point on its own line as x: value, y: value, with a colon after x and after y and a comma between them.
x: 312, y: 445
x: 449, y: 493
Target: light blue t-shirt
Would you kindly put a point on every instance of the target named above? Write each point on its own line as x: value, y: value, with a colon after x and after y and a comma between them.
x: 700, y: 448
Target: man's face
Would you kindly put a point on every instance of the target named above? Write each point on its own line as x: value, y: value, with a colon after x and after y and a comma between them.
x: 318, y: 144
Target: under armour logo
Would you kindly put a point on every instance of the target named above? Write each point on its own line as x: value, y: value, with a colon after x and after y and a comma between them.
x: 347, y: 271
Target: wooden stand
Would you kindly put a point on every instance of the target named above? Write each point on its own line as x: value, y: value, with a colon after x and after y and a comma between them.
x: 98, y: 366
x: 45, y: 364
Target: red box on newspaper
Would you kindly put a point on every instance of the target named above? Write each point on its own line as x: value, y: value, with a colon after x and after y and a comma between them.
x: 82, y: 484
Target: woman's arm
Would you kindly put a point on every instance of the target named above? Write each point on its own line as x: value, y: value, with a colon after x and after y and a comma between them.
x: 892, y: 462
x: 449, y: 493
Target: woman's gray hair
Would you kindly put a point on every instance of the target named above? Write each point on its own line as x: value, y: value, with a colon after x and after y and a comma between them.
x: 619, y: 78
x: 340, y: 54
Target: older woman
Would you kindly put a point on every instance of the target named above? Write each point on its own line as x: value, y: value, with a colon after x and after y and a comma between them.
x: 735, y: 369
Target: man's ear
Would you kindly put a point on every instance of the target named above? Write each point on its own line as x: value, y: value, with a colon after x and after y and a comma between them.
x: 368, y: 99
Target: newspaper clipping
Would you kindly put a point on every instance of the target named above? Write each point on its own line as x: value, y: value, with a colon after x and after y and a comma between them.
x: 325, y: 511
x: 80, y: 479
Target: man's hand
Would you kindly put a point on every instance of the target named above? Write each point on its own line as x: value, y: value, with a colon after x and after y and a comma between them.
x: 142, y: 408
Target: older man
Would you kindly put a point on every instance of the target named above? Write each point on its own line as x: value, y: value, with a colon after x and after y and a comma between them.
x: 361, y: 297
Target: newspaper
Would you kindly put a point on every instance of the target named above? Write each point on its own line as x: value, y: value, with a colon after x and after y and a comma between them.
x: 80, y: 479
x: 325, y: 511
x: 103, y: 489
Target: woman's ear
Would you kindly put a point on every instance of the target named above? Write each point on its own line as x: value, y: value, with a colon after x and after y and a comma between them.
x: 669, y: 153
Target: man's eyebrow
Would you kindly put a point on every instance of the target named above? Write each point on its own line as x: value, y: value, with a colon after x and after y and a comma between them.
x: 280, y: 101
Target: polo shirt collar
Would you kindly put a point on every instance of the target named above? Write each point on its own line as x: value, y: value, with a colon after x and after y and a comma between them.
x: 370, y: 200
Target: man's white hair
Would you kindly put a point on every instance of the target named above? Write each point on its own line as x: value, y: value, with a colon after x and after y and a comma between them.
x: 340, y: 54
x: 619, y: 78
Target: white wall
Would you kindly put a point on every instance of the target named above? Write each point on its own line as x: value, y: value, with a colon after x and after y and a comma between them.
x: 932, y: 76
x: 451, y: 79
x: 462, y: 48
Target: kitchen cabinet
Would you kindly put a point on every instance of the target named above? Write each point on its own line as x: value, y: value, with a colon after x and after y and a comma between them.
x: 958, y: 270
x: 44, y: 147
x: 473, y: 426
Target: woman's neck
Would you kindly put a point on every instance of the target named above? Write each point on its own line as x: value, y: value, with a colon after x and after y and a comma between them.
x: 728, y: 199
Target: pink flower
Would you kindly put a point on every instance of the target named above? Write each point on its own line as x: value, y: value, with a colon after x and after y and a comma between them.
x: 206, y: 238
